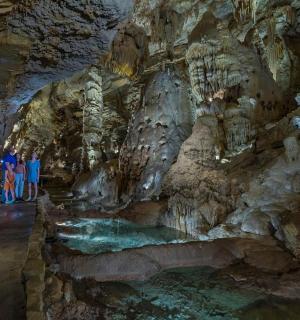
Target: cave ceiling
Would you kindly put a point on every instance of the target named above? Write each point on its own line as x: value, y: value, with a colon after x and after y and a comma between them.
x: 45, y: 41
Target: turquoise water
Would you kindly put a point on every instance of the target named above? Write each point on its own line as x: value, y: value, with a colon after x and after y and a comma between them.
x: 179, y: 294
x: 93, y: 236
x: 187, y: 294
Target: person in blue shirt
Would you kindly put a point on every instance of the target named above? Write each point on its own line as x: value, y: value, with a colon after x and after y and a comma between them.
x: 9, y: 159
x: 33, y: 175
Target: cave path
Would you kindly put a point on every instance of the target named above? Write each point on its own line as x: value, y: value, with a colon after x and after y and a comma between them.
x: 15, y: 228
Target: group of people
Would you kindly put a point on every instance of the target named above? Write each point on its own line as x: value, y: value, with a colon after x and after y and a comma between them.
x: 14, y: 174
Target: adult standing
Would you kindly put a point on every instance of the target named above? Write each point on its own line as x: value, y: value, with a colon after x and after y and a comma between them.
x: 33, y: 176
x: 20, y: 177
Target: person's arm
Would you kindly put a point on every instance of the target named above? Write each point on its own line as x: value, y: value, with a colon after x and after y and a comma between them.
x: 38, y: 170
x: 6, y: 172
x: 24, y: 172
x: 27, y: 169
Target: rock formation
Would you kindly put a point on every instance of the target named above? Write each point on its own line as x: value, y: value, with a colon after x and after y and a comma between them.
x: 170, y: 112
x: 229, y: 69
x: 191, y: 103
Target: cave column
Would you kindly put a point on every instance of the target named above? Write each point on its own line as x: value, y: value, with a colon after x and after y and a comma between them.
x: 92, y: 121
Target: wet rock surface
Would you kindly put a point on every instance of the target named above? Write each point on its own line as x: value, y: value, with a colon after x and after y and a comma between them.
x: 15, y: 225
x: 149, y: 260
x: 63, y: 37
x: 172, y: 113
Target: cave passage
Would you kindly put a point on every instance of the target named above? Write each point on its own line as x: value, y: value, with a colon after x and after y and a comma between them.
x: 164, y: 139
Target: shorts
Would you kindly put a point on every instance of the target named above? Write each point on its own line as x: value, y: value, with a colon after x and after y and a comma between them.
x: 9, y: 186
x: 32, y: 179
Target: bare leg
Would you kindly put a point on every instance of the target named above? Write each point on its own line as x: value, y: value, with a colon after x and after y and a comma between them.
x: 29, y: 191
x: 35, y: 191
x: 13, y: 195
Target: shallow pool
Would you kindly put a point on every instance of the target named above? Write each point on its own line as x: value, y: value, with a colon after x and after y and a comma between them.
x: 186, y: 294
x: 93, y: 236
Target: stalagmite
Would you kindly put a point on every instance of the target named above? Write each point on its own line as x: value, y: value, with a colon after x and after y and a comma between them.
x: 92, y: 114
x: 292, y: 149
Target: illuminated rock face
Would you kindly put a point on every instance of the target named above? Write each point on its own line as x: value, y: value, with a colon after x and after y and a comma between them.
x: 237, y: 130
x: 189, y: 103
x: 199, y: 194
x: 163, y: 121
x: 92, y: 120
x: 292, y: 149
x: 101, y: 186
x: 212, y: 67
x: 55, y: 39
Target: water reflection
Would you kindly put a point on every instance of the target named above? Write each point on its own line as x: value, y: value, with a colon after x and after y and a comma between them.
x: 187, y: 294
x: 9, y: 214
x: 103, y: 235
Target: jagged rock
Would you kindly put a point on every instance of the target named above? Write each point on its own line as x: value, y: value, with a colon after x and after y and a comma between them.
x: 101, y: 186
x: 257, y: 223
x: 171, y: 120
x: 54, y: 288
x: 122, y: 128
x: 291, y: 232
x: 292, y: 149
x: 198, y: 191
x: 64, y: 38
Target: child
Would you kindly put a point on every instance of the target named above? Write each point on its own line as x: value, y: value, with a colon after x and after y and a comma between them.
x: 9, y: 184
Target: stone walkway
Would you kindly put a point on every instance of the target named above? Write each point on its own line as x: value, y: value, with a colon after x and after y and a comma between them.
x: 15, y: 227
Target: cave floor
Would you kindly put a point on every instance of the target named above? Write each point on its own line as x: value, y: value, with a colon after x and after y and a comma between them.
x: 15, y: 227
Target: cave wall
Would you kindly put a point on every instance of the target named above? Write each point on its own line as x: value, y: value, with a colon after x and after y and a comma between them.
x: 188, y: 92
x: 46, y: 41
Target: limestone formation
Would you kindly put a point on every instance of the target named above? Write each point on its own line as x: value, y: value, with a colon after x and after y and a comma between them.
x: 159, y: 126
x: 212, y: 68
x: 292, y: 149
x: 172, y: 113
x: 92, y: 120
x: 237, y: 129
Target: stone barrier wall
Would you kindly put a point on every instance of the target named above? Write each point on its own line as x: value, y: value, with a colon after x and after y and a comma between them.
x: 34, y: 268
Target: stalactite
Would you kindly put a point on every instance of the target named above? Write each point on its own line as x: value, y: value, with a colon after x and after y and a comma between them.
x: 164, y: 25
x: 182, y: 214
x: 237, y: 128
x: 128, y: 51
x: 210, y: 68
x: 275, y: 48
x: 289, y: 14
x: 245, y: 9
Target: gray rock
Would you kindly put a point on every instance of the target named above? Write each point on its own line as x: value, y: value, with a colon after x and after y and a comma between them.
x: 256, y: 222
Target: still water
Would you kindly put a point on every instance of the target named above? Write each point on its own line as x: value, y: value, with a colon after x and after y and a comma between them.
x: 178, y: 294
x: 186, y: 294
x: 94, y: 236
